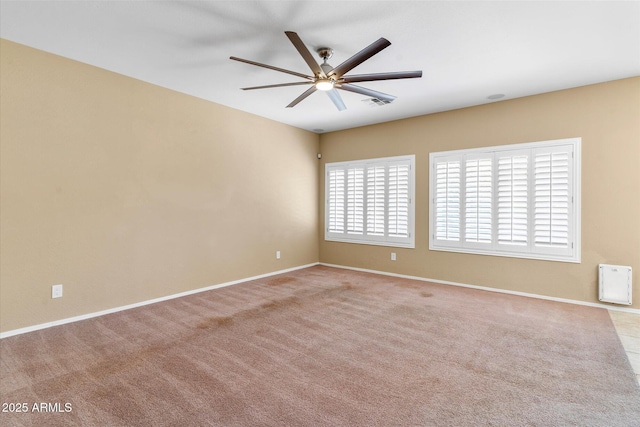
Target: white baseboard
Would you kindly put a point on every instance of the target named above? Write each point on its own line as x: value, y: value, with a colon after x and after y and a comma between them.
x: 248, y: 279
x: 484, y: 288
x: 143, y: 303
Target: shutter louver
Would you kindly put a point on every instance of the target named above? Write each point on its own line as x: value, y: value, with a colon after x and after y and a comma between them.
x: 447, y: 200
x: 478, y: 200
x: 552, y: 199
x: 398, y: 200
x: 512, y: 200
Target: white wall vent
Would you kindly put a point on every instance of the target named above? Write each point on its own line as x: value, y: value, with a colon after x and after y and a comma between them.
x: 615, y: 284
x: 377, y: 102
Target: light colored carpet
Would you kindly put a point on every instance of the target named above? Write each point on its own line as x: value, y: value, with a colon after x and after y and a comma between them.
x: 328, y: 347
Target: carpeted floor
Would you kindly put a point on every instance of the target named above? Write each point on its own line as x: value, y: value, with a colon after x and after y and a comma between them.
x: 326, y: 347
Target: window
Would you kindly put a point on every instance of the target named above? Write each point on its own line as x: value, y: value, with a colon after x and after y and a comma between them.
x: 371, y: 201
x: 518, y: 200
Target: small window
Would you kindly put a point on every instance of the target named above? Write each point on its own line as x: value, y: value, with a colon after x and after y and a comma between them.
x: 371, y: 201
x: 518, y: 200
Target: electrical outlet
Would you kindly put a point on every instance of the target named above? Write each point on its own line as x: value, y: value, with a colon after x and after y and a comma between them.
x: 393, y: 256
x: 277, y: 254
x: 56, y: 291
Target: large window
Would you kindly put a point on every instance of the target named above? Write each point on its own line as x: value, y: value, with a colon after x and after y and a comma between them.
x: 371, y: 201
x: 518, y: 200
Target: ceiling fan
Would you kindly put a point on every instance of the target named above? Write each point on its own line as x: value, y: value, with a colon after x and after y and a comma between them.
x: 327, y: 78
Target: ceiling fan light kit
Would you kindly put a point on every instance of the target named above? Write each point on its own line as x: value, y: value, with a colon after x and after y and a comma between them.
x: 324, y: 84
x: 327, y: 78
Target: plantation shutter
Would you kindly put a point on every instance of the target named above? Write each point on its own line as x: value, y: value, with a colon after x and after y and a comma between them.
x: 447, y: 199
x: 370, y: 201
x: 513, y: 205
x: 478, y: 193
x: 520, y: 200
x: 355, y: 200
x: 335, y: 205
x: 398, y: 212
x: 552, y: 201
x: 376, y: 194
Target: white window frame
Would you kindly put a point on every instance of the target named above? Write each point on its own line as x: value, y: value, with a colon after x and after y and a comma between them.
x: 340, y: 223
x: 445, y: 214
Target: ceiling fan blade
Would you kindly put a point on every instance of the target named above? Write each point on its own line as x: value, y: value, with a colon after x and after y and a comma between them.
x: 304, y: 52
x: 277, y: 85
x: 364, y: 91
x: 335, y: 97
x: 301, y: 97
x: 359, y: 58
x: 381, y: 76
x: 271, y: 67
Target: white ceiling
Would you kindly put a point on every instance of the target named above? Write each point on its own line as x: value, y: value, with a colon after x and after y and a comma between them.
x: 467, y: 50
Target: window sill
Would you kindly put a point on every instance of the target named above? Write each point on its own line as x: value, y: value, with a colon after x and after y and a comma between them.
x: 575, y: 259
x: 409, y: 245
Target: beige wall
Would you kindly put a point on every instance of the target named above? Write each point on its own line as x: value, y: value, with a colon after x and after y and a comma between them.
x: 606, y: 116
x: 124, y: 191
